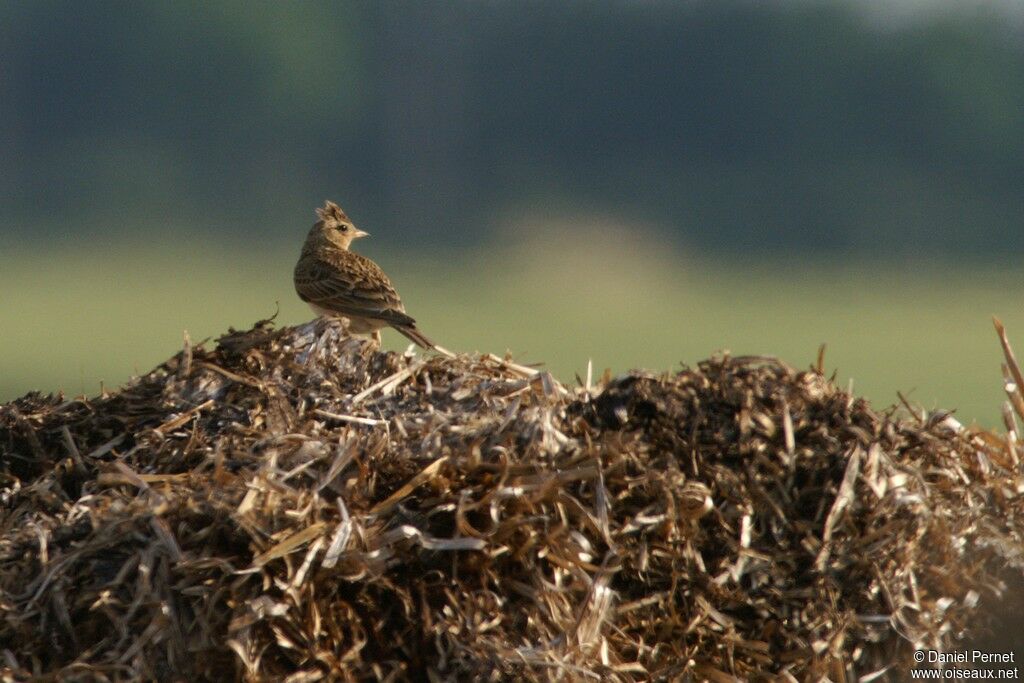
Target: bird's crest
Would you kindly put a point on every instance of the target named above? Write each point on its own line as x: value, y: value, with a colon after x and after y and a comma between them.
x: 331, y: 211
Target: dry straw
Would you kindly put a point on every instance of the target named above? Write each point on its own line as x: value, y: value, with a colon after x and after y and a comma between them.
x: 294, y: 506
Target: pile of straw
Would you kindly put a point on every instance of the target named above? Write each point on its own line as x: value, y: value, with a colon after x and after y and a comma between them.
x: 293, y: 505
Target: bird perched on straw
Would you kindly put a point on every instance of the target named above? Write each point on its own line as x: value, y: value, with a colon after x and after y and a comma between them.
x: 338, y: 282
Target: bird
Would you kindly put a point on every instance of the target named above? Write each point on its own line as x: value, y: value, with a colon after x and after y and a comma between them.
x: 337, y: 282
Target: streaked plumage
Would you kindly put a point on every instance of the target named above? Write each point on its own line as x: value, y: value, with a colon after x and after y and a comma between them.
x: 338, y: 282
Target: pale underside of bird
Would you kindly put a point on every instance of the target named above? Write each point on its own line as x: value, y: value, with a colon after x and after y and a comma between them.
x: 339, y: 283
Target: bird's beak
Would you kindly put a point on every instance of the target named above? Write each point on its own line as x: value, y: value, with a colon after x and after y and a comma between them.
x: 360, y: 233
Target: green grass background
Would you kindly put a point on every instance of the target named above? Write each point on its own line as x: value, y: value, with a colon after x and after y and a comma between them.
x: 76, y: 315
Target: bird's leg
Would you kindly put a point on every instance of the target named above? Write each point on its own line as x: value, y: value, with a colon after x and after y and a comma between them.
x: 377, y: 338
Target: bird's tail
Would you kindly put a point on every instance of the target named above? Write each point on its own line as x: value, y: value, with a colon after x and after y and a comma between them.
x: 416, y: 336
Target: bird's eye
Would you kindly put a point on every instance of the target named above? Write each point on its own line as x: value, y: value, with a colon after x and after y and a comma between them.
x: 343, y: 228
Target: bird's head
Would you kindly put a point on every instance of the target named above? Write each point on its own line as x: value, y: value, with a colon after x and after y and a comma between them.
x: 335, y: 227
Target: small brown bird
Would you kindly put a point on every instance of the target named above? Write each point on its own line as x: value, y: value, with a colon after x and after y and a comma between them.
x: 337, y: 282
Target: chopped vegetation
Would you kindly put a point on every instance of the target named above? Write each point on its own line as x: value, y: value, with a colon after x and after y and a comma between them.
x: 294, y: 505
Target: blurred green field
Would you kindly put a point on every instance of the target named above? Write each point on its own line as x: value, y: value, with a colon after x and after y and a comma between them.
x: 77, y: 316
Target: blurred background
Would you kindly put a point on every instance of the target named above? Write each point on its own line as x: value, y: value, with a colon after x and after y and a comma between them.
x: 637, y: 183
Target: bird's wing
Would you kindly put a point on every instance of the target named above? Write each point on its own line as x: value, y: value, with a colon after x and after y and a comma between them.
x: 350, y: 285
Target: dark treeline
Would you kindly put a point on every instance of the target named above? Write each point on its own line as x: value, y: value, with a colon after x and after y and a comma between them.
x: 739, y: 126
